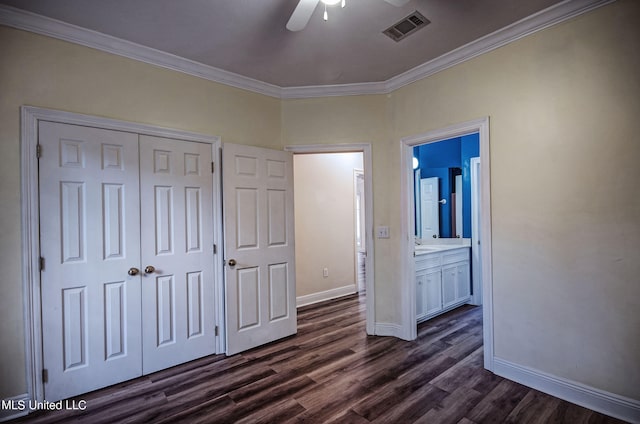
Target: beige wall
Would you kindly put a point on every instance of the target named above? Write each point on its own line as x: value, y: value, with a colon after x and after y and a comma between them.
x: 563, y: 105
x: 565, y: 145
x: 564, y: 134
x: 325, y: 221
x: 40, y: 71
x: 358, y: 119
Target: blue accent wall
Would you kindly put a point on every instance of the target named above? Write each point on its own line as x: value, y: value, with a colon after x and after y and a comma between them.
x: 435, y: 159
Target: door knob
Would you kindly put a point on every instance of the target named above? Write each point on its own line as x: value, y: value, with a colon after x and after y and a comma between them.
x: 232, y: 262
x: 149, y: 269
x: 133, y: 271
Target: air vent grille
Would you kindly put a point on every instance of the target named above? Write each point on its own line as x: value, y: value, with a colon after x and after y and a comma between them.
x: 406, y: 26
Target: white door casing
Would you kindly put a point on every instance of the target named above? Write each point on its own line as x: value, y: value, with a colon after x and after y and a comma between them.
x: 430, y: 207
x: 259, y: 246
x: 360, y: 228
x: 476, y: 251
x: 176, y: 189
x: 90, y: 238
x: 417, y: 204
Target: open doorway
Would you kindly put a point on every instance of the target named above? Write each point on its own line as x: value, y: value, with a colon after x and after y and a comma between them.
x: 326, y: 230
x: 356, y: 160
x: 447, y: 193
x: 481, y: 169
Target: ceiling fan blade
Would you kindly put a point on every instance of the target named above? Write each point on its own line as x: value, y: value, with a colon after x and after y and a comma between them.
x: 397, y: 3
x: 301, y: 15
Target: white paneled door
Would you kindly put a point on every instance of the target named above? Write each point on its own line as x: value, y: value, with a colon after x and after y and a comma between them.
x: 90, y: 242
x: 120, y: 299
x: 430, y: 207
x: 259, y: 246
x: 178, y: 324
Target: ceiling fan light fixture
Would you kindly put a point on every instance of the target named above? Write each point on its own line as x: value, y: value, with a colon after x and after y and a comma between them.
x: 331, y: 2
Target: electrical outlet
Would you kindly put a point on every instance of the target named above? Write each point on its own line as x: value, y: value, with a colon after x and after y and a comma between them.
x: 382, y: 232
x: 325, y: 272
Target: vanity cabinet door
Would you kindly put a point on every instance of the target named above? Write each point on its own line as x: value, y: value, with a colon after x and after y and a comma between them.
x: 449, y: 277
x: 428, y: 292
x: 433, y: 291
x: 421, y: 293
x: 456, y: 283
x: 463, y: 281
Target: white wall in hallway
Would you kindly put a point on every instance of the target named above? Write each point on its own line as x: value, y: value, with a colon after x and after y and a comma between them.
x: 324, y: 213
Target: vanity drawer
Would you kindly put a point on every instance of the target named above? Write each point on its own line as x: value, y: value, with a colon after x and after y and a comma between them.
x: 428, y: 261
x: 456, y: 255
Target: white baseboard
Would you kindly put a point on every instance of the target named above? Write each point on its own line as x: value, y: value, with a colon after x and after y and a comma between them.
x: 312, y: 298
x: 389, y: 329
x: 598, y: 400
x: 14, y: 407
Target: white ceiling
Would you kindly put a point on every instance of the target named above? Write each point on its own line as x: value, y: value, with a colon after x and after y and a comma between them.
x: 249, y: 38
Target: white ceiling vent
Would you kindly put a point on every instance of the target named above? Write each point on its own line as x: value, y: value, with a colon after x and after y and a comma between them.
x: 406, y: 26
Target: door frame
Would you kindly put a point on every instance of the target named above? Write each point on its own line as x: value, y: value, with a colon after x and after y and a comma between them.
x: 408, y: 289
x: 476, y: 214
x: 357, y: 225
x: 30, y: 226
x: 365, y: 149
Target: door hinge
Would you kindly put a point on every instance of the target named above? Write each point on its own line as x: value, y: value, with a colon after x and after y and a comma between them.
x: 213, y: 167
x: 38, y: 150
x: 215, y: 249
x: 41, y: 263
x: 217, y: 331
x: 45, y: 375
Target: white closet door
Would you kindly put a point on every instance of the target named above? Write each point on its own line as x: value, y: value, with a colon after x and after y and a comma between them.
x: 90, y: 239
x: 259, y: 246
x: 176, y: 189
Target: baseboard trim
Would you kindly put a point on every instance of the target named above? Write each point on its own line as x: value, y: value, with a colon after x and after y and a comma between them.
x: 322, y: 296
x: 14, y: 407
x: 389, y: 329
x: 598, y: 400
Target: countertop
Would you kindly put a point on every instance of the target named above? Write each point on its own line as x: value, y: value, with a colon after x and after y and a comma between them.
x: 423, y: 249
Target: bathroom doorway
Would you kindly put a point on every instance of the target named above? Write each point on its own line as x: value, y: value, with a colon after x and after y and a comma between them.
x: 408, y: 224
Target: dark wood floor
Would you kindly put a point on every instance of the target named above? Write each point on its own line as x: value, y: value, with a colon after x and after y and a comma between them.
x: 332, y: 372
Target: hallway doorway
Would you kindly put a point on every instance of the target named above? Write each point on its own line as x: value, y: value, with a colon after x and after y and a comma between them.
x: 364, y: 152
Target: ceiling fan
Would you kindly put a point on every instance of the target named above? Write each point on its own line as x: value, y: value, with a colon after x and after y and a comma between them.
x: 301, y: 15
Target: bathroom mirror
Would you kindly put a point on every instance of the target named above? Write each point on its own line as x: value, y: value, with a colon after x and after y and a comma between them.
x: 442, y: 182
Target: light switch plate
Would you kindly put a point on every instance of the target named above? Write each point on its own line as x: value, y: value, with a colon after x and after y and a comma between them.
x: 382, y: 232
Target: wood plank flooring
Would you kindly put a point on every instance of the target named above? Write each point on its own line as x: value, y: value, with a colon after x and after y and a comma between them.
x: 332, y: 372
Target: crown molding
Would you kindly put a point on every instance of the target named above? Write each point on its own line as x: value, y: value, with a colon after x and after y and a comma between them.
x: 39, y: 24
x: 42, y: 25
x: 545, y: 18
x: 333, y: 90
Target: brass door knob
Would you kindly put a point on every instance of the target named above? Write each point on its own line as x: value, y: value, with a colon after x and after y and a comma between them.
x: 149, y: 269
x: 232, y: 262
x: 133, y: 271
